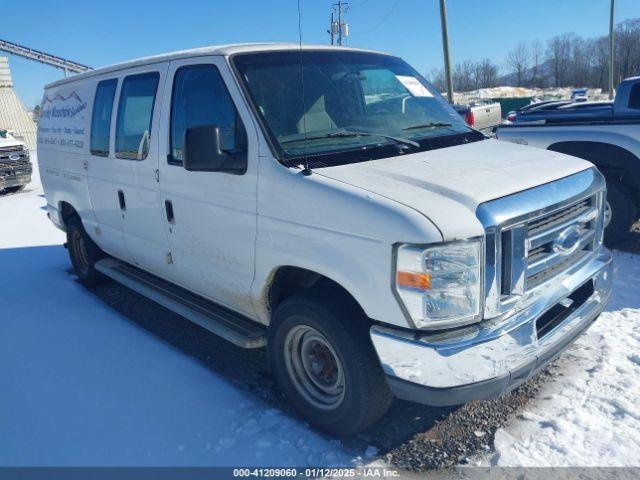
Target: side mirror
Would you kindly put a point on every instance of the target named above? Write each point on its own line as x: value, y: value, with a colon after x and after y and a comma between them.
x: 203, y: 153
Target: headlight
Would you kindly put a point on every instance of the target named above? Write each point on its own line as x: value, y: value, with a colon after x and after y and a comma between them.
x: 441, y: 285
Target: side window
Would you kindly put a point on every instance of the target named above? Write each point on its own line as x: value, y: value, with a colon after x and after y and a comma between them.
x: 199, y: 98
x: 135, y: 111
x: 634, y: 97
x: 101, y: 117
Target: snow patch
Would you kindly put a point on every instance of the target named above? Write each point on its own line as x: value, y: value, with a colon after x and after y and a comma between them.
x: 551, y: 93
x: 589, y: 415
x: 370, y: 452
x: 83, y: 386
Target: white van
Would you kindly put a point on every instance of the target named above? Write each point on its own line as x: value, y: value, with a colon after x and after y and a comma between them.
x: 327, y: 203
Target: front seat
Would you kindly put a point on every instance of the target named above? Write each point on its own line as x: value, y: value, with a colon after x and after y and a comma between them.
x: 316, y: 118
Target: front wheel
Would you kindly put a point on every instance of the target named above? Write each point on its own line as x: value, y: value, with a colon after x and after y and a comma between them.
x: 322, y: 357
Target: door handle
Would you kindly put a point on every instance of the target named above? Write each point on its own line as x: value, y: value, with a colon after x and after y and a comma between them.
x: 123, y: 204
x: 168, y: 207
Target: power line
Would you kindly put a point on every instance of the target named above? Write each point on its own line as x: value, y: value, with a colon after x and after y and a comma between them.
x: 384, y: 18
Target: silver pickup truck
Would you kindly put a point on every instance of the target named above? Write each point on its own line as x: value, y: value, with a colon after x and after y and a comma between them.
x: 483, y: 116
x: 15, y: 165
x: 605, y: 133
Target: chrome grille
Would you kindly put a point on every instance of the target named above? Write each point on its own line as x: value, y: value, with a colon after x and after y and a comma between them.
x: 15, y: 167
x: 543, y: 261
x: 538, y: 234
x: 6, y: 152
x: 539, y: 226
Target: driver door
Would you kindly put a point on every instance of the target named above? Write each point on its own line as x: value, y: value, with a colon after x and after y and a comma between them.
x: 210, y: 217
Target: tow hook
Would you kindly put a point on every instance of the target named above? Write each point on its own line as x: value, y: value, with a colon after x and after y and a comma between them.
x: 65, y: 245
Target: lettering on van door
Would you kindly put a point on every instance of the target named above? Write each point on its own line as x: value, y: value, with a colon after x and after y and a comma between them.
x: 62, y: 120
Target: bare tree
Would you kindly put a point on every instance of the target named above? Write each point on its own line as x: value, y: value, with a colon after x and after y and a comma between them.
x: 36, y: 113
x: 518, y: 61
x: 463, y: 76
x: 628, y: 48
x: 600, y: 66
x: 581, y: 58
x: 569, y: 60
x: 489, y: 74
x: 553, y: 54
x: 559, y: 53
x: 477, y: 75
x: 436, y: 77
x: 537, y: 59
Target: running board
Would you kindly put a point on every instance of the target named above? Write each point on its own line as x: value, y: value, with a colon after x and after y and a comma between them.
x: 229, y: 325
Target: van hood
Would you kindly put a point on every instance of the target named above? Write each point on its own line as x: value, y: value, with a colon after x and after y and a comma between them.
x: 448, y: 184
x: 10, y: 142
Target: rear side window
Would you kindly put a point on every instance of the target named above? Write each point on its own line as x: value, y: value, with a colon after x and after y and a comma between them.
x: 634, y: 97
x: 200, y: 98
x: 101, y: 118
x: 135, y: 111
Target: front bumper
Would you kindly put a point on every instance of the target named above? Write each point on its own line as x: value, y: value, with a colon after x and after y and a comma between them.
x: 490, y: 358
x: 10, y: 178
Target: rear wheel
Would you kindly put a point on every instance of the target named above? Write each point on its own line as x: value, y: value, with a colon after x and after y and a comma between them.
x: 322, y: 357
x: 620, y: 213
x: 83, y: 252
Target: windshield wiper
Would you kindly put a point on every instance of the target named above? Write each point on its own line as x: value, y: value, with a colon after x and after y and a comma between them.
x: 428, y: 125
x: 355, y: 133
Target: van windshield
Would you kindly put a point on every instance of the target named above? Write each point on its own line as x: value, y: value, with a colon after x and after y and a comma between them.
x: 356, y: 106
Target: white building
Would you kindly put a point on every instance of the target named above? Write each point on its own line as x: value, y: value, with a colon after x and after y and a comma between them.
x: 13, y: 115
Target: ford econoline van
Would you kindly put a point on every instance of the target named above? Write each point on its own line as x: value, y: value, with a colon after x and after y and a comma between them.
x: 329, y: 205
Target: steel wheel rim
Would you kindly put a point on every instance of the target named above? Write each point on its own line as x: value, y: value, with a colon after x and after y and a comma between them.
x: 314, y: 367
x: 608, y: 213
x: 80, y: 252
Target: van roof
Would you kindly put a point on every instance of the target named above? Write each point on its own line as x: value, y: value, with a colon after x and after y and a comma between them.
x: 223, y: 50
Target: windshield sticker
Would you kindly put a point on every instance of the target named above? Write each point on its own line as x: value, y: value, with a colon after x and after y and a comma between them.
x: 414, y: 86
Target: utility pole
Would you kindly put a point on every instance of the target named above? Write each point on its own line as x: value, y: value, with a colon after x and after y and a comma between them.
x: 339, y: 27
x: 340, y: 22
x: 612, y: 51
x: 445, y: 48
x: 332, y: 30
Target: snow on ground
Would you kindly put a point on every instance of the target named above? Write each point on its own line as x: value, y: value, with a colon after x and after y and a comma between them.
x: 81, y: 385
x: 595, y: 94
x: 589, y: 414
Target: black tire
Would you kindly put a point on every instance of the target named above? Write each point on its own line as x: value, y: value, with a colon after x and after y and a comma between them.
x: 623, y: 214
x: 14, y: 189
x: 83, y: 252
x: 365, y: 395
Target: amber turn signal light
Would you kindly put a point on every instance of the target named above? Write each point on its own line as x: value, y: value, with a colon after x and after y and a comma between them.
x: 421, y: 281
